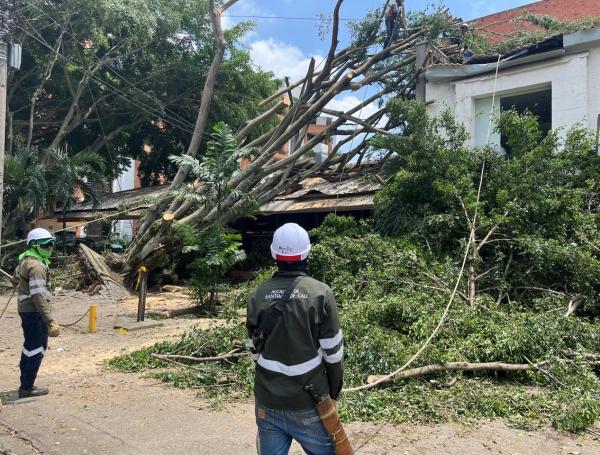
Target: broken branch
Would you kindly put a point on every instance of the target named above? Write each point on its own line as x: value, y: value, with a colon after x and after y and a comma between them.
x: 454, y: 366
x: 231, y: 354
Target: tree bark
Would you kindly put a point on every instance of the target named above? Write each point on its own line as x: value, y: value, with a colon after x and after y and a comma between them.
x: 455, y: 366
x: 573, y: 305
x: 265, y: 176
x: 111, y: 284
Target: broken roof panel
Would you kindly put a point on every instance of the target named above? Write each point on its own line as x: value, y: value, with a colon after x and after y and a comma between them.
x: 319, y: 195
x: 551, y: 47
x: 342, y: 204
x: 114, y: 201
x: 325, y: 188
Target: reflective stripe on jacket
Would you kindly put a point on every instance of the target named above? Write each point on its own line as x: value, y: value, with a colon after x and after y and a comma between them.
x: 33, y: 295
x: 305, y: 347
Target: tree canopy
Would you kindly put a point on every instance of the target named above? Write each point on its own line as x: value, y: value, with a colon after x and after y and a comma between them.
x: 112, y: 77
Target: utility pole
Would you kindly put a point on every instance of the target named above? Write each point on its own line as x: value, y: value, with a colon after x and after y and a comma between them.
x: 4, y: 33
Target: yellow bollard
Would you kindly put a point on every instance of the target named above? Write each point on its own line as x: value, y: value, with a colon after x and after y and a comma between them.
x: 92, y: 323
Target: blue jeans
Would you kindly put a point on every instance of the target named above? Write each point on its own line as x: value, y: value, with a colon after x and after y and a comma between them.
x: 277, y: 428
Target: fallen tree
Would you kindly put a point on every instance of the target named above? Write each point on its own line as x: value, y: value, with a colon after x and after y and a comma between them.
x: 387, y: 71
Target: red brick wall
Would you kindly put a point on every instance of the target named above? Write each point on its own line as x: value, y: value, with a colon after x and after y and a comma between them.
x: 497, y: 27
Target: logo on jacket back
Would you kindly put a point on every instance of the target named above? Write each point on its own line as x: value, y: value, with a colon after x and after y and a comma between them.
x: 276, y: 294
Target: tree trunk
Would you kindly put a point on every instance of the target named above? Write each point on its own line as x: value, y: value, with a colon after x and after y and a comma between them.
x: 265, y: 176
x: 101, y: 277
x: 201, y: 119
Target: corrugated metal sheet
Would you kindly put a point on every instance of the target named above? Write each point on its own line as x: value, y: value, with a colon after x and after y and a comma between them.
x: 347, y: 203
x: 112, y: 201
x: 319, y: 195
x: 348, y: 187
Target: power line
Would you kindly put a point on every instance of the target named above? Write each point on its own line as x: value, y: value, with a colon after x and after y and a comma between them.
x: 137, y: 103
x: 291, y: 18
x: 159, y: 102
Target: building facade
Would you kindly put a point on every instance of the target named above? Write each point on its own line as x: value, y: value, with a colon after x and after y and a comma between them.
x: 499, y: 26
x: 557, y: 79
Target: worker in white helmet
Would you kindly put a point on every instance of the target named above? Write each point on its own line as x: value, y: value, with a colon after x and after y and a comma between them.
x: 296, y: 341
x: 35, y: 309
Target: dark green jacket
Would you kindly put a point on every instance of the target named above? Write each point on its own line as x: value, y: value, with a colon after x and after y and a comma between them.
x: 305, y: 346
x: 31, y: 275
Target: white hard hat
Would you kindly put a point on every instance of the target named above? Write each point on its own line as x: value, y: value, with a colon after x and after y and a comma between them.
x: 38, y: 234
x: 290, y: 243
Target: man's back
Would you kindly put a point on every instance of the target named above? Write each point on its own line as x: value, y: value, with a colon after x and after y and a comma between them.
x: 305, y: 346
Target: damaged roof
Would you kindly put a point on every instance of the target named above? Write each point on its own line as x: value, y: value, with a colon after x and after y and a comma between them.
x: 320, y: 195
x: 315, y: 194
x: 551, y: 47
x: 137, y: 199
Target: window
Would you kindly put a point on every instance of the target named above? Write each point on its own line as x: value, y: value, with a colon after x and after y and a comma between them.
x: 538, y: 103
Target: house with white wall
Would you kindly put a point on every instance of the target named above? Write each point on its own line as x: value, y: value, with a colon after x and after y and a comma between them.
x: 557, y: 79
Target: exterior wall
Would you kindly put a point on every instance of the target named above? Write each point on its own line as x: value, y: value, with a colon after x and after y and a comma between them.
x: 574, y: 79
x: 126, y: 181
x: 498, y: 27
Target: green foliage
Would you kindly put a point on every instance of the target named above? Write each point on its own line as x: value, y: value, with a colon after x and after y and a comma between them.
x: 388, y: 309
x: 579, y: 415
x: 540, y: 207
x: 82, y: 172
x: 35, y: 181
x: 239, y: 374
x: 140, y: 65
x: 220, y: 161
x: 534, y: 249
x: 212, y: 253
x: 25, y: 188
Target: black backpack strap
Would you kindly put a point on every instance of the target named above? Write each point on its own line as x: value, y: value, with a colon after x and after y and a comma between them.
x: 266, y: 326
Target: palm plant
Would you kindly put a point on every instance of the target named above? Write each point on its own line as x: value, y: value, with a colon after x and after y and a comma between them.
x: 68, y: 174
x: 220, y: 161
x: 25, y: 189
x: 216, y: 250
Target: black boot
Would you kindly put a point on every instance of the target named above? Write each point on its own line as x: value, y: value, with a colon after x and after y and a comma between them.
x: 34, y: 392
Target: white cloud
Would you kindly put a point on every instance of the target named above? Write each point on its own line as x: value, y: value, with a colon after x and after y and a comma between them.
x: 281, y: 58
x: 248, y: 7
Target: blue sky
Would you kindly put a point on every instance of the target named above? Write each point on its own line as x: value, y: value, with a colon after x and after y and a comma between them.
x: 285, y: 46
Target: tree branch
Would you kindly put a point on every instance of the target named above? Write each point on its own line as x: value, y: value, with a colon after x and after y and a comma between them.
x: 451, y: 366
